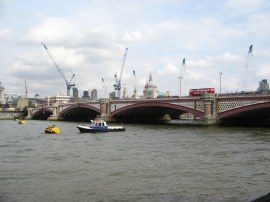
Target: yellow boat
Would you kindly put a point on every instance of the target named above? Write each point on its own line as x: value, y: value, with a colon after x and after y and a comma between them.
x: 21, y: 122
x: 52, y: 129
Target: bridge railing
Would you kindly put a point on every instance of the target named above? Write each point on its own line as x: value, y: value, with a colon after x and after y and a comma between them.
x: 244, y: 94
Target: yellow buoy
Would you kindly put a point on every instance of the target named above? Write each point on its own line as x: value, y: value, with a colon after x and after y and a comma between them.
x: 53, y: 129
x: 21, y: 122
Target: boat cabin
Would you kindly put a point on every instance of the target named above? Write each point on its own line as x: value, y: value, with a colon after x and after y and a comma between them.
x: 99, y: 123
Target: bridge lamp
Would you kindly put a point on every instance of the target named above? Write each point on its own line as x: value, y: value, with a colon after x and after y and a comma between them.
x: 220, y: 73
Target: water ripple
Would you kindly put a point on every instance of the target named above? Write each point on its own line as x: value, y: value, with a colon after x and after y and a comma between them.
x: 145, y: 163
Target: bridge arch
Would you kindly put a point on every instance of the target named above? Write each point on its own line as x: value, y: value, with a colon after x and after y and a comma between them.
x: 42, y: 114
x: 254, y: 111
x: 79, y: 112
x: 149, y: 110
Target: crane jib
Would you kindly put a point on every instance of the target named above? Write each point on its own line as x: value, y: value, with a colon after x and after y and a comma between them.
x: 68, y: 84
x: 117, y: 85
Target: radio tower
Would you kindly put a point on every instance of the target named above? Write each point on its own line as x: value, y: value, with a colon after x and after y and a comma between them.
x: 247, y: 68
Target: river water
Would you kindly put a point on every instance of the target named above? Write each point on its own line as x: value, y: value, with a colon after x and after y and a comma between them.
x: 145, y: 163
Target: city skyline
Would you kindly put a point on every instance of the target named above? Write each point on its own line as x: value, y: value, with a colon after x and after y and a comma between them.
x: 88, y: 39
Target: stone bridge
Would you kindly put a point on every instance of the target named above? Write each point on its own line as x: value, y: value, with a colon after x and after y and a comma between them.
x: 210, y: 107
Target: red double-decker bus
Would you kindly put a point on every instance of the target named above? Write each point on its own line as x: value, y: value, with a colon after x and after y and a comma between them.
x: 200, y: 91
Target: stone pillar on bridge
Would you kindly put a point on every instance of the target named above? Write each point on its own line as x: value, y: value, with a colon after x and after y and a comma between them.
x: 209, y: 102
x: 105, y: 106
x: 29, y: 113
x: 54, y: 116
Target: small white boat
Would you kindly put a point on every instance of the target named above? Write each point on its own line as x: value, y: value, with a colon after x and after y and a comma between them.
x: 99, y: 125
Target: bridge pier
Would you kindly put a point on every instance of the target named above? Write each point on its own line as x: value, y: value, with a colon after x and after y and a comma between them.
x: 54, y: 116
x: 105, y: 106
x: 210, y: 110
x: 29, y: 113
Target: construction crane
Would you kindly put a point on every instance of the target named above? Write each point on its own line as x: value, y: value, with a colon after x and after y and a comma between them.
x: 181, y: 76
x: 25, y: 86
x: 134, y: 85
x: 247, y: 69
x: 68, y: 84
x: 117, y: 85
x: 104, y: 86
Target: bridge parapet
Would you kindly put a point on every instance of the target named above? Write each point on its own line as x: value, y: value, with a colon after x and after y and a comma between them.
x: 209, y: 96
x: 225, y: 106
x: 198, y: 105
x: 230, y: 103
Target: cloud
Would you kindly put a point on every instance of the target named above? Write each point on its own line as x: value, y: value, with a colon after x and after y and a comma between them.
x: 264, y: 53
x: 241, y: 7
x: 264, y: 71
x: 193, y: 34
x: 90, y: 40
x: 3, y: 3
x: 169, y: 69
x: 132, y: 36
x: 68, y: 58
x: 53, y: 30
x: 258, y: 25
x: 92, y: 53
x: 5, y: 34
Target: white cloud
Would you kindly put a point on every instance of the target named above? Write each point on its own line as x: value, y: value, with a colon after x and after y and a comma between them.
x: 91, y: 41
x: 194, y: 34
x: 169, y: 69
x: 54, y: 30
x: 69, y: 58
x: 258, y: 25
x: 244, y: 6
x: 264, y: 71
x: 132, y: 36
x: 5, y: 34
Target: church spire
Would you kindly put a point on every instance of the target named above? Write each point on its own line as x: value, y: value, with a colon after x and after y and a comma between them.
x: 150, y: 77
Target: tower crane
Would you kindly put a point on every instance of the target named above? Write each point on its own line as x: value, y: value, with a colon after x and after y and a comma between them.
x: 68, y: 84
x: 117, y: 85
x: 181, y: 76
x: 134, y: 85
x: 247, y: 68
x: 104, y: 86
x: 25, y: 86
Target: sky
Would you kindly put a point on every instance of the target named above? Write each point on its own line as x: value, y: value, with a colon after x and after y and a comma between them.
x: 88, y: 38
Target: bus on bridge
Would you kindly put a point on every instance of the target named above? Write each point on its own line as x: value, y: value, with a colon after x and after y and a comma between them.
x: 200, y: 91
